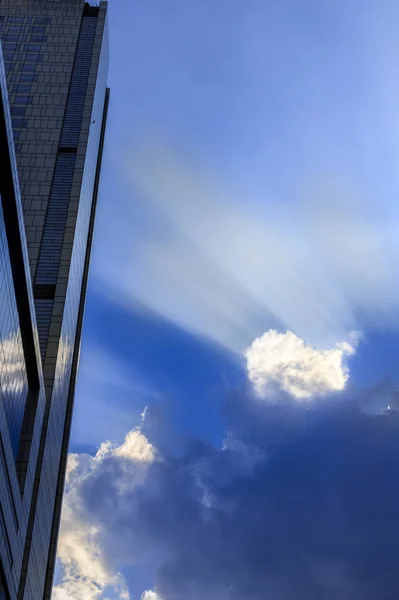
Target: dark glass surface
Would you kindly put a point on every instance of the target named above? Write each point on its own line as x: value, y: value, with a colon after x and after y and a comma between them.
x: 57, y: 214
x: 13, y: 379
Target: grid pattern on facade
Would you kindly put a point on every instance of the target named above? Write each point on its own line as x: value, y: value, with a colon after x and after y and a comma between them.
x: 38, y: 89
x: 22, y: 43
x: 58, y: 206
x: 15, y: 501
x: 44, y: 310
x: 44, y: 101
x: 57, y: 213
x: 77, y: 91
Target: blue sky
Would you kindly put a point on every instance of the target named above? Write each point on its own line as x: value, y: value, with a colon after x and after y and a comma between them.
x: 230, y: 435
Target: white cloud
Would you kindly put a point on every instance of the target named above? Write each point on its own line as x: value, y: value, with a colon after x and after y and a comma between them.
x: 283, y: 361
x: 87, y: 568
x: 150, y: 595
x: 194, y: 524
x: 60, y: 594
x: 136, y: 447
x: 127, y: 506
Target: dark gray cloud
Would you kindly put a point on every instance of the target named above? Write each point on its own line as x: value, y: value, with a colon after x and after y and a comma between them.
x: 302, y: 503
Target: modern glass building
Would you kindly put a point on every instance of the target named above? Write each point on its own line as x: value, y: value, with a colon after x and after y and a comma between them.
x: 53, y: 107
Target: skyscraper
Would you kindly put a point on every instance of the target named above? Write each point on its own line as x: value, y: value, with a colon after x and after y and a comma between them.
x: 56, y: 60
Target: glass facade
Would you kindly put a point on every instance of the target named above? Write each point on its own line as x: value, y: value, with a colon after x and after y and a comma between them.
x: 22, y: 395
x: 56, y: 63
x: 13, y: 376
x: 22, y: 41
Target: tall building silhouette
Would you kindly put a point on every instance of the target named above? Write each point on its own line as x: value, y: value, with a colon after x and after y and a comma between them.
x: 53, y: 107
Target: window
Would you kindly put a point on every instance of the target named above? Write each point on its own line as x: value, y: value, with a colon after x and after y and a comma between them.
x: 38, y: 29
x: 33, y: 47
x: 23, y: 88
x: 42, y: 20
x: 18, y: 147
x: 19, y: 122
x: 18, y: 111
x: 17, y: 19
x: 32, y: 56
x: 12, y: 37
x: 9, y: 46
x: 14, y: 28
x: 27, y: 77
x: 23, y: 100
x: 27, y: 67
x: 38, y: 38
